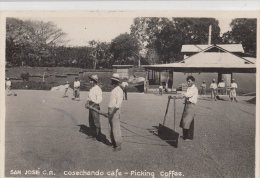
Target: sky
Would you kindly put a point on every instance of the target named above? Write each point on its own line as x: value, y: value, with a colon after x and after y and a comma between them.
x: 81, y: 30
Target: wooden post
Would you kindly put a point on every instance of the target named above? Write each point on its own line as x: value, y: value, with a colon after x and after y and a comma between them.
x: 146, y: 82
x: 219, y: 77
x: 174, y: 114
x: 43, y: 76
x: 172, y: 78
x: 160, y: 77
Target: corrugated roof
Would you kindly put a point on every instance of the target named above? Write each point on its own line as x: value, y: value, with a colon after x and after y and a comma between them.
x: 204, y: 65
x: 199, y: 48
x: 251, y: 59
x: 214, y: 58
x: 207, y: 61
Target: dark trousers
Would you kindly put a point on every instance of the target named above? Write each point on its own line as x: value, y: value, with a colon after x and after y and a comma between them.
x: 94, y: 122
x: 189, y: 133
x: 125, y: 93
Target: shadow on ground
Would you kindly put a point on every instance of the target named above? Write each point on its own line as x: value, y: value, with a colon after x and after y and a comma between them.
x: 166, y: 134
x: 102, y: 138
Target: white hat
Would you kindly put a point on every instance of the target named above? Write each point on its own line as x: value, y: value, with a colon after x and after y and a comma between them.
x: 7, y: 79
x: 94, y: 78
x: 233, y: 79
x: 67, y: 82
x: 115, y: 77
x: 214, y: 80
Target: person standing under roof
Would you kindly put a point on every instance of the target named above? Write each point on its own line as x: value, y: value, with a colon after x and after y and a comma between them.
x: 221, y: 87
x: 233, y: 93
x: 116, y: 99
x: 203, y: 89
x: 213, y: 87
x: 94, y: 99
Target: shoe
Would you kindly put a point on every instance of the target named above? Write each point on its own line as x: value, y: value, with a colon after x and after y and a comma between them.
x: 107, y: 143
x: 187, y: 140
x: 91, y: 137
x: 118, y: 148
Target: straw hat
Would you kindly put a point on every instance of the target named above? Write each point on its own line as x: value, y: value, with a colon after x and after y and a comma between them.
x: 115, y: 77
x: 94, y: 78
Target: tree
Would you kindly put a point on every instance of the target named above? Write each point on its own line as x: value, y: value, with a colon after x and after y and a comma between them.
x: 99, y: 53
x: 243, y: 31
x: 32, y: 43
x: 124, y: 48
x: 167, y: 35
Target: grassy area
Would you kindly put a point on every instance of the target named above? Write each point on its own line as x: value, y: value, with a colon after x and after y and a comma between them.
x: 56, y: 76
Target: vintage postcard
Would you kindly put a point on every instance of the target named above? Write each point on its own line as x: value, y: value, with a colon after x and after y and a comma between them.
x: 129, y: 93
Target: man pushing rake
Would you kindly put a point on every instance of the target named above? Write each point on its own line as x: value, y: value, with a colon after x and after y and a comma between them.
x: 8, y: 87
x: 187, y: 120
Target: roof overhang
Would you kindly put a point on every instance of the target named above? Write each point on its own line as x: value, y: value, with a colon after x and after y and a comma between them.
x: 198, y: 68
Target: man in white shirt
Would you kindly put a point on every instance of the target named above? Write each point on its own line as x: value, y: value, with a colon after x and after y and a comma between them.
x: 187, y: 120
x: 221, y: 87
x: 124, y: 86
x: 213, y: 87
x: 160, y: 89
x: 8, y: 86
x: 94, y: 99
x: 116, y: 99
x: 76, y: 88
x: 233, y: 93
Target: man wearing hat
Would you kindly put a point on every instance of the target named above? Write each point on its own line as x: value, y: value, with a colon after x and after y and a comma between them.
x: 221, y: 87
x: 76, y: 88
x: 116, y: 99
x: 213, y: 87
x: 203, y: 89
x: 94, y: 99
x: 8, y: 86
x: 233, y: 93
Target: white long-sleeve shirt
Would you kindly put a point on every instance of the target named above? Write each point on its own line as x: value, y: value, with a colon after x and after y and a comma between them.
x: 95, y: 94
x: 192, y: 94
x: 116, y: 97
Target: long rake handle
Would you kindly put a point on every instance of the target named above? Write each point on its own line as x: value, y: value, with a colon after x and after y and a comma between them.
x: 166, y: 112
x: 11, y: 90
x: 94, y: 109
x: 174, y: 115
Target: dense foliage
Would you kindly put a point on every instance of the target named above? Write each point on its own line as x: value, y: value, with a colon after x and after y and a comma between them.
x: 152, y: 40
x: 243, y: 31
